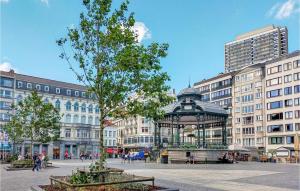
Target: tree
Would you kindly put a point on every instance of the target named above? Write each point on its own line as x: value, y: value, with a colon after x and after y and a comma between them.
x: 124, y: 76
x: 15, y: 132
x: 36, y: 120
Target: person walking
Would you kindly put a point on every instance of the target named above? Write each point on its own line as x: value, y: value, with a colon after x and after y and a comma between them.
x: 35, y: 161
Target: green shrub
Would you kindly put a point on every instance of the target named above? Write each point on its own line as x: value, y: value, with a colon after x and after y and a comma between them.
x: 22, y: 163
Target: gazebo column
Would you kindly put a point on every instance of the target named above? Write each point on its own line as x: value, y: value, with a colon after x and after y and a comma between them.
x: 172, y: 132
x: 224, y: 136
x: 198, y: 131
x: 203, y: 135
x: 159, y: 135
x: 155, y: 133
x: 183, y: 134
x: 178, y: 132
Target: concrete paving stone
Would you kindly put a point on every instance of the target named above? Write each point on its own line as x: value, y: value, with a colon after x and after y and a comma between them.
x: 202, y: 177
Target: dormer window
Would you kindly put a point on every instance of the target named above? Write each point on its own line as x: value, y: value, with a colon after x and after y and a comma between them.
x: 38, y: 87
x: 29, y: 86
x: 46, y: 88
x: 82, y: 94
x: 20, y: 84
x: 57, y: 90
x: 68, y: 92
x: 76, y: 93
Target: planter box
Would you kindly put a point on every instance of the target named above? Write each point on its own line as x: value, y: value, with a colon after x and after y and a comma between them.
x: 38, y: 188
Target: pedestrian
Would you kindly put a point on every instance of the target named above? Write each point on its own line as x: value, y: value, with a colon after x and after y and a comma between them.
x: 35, y: 161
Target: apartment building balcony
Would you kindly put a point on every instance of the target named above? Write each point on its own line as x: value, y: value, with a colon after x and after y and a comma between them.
x: 221, y: 87
x: 220, y: 97
x: 77, y: 125
x: 204, y: 91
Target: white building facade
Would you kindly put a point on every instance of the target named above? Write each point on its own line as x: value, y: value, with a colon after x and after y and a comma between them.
x: 79, y: 123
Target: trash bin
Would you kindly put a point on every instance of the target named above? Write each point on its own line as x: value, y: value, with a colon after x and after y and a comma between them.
x: 164, y: 159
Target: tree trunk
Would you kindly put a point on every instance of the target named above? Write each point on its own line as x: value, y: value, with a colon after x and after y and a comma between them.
x: 101, y: 145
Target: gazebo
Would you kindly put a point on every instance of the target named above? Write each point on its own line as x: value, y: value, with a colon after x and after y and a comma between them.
x: 190, y: 112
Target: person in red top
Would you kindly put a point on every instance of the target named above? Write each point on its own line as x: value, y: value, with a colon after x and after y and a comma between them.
x: 66, y: 154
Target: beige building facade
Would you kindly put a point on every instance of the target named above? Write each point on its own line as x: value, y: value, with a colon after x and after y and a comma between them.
x: 218, y: 90
x: 283, y: 102
x: 248, y: 107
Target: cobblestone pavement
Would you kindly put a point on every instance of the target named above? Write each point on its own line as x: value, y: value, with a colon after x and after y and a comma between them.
x: 210, y: 177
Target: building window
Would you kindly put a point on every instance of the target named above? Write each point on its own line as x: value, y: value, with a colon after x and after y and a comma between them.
x: 274, y: 69
x: 297, y: 76
x: 288, y: 90
x: 259, y: 117
x: 68, y: 106
x: 288, y: 102
x: 297, y: 101
x: 83, y: 94
x: 38, y: 87
x: 76, y: 106
x: 275, y: 140
x: 6, y: 94
x: 57, y: 91
x: 297, y: 114
x: 274, y: 81
x: 83, y: 107
x: 46, y: 88
x: 258, y: 106
x: 68, y: 118
x: 274, y: 105
x: 287, y: 66
x: 75, y: 119
x: 97, y: 121
x: 68, y: 92
x: 288, y: 115
x: 275, y: 116
x: 288, y: 78
x: 90, y: 108
x: 97, y: 134
x: 20, y: 84
x: 259, y: 129
x: 68, y: 133
x: 290, y: 140
x: 145, y: 129
x: 57, y: 104
x: 275, y: 128
x: 296, y: 89
x: 90, y: 120
x: 297, y: 64
x: 97, y: 109
x: 289, y: 127
x: 274, y: 93
x: 29, y: 86
x: 83, y: 119
x: 76, y: 93
x: 297, y: 126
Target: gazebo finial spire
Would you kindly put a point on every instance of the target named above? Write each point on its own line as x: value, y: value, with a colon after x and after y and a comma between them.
x: 189, y: 82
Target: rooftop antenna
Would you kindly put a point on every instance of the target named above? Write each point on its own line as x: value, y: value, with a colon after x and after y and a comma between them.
x: 189, y: 81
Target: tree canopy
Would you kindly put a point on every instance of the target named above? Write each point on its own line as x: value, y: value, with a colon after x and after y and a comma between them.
x: 125, y: 76
x: 34, y: 120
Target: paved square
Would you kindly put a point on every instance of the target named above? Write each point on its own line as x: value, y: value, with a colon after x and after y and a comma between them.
x: 234, y: 177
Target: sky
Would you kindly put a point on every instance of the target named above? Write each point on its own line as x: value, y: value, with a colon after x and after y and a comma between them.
x: 196, y: 31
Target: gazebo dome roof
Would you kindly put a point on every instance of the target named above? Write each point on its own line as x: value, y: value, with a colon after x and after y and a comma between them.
x: 189, y: 100
x: 189, y: 91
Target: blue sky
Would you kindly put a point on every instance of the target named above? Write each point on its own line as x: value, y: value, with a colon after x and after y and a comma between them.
x: 195, y: 30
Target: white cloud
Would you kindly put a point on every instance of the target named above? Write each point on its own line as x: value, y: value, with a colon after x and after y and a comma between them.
x: 45, y: 2
x: 285, y: 9
x: 4, y: 1
x: 6, y: 66
x: 142, y: 31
